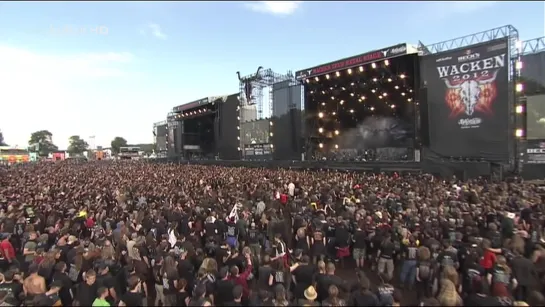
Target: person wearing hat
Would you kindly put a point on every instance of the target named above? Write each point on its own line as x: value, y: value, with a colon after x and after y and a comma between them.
x: 310, y: 297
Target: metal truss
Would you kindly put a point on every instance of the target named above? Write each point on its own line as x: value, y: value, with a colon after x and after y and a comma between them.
x: 532, y: 46
x: 264, y: 78
x: 476, y: 38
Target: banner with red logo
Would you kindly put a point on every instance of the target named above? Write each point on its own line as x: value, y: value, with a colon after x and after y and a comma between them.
x: 468, y: 100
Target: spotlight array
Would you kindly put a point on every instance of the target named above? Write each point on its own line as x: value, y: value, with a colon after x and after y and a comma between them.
x: 341, y: 102
x: 190, y: 113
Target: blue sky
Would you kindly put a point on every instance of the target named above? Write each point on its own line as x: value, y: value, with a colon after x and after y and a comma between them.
x: 114, y: 68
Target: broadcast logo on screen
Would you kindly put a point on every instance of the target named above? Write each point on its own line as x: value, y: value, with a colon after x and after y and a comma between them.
x: 471, y: 86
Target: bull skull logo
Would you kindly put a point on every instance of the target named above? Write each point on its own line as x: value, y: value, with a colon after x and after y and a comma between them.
x: 470, y: 91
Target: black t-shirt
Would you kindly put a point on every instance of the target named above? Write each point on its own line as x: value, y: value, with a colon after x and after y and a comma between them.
x: 224, y: 292
x: 13, y: 290
x: 359, y: 298
x: 132, y: 299
x: 342, y: 236
x: 233, y: 303
x: 360, y: 239
x: 86, y: 294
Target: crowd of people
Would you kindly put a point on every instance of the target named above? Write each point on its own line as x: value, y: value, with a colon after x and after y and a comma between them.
x: 124, y: 233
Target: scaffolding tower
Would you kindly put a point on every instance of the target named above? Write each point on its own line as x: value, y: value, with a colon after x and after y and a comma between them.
x: 255, y: 85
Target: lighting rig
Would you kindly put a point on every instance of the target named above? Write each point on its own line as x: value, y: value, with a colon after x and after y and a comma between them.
x: 339, y: 101
x: 192, y: 113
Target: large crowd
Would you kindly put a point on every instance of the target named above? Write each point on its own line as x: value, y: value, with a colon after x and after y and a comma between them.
x: 143, y: 234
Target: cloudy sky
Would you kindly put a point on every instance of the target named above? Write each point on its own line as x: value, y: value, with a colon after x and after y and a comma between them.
x: 109, y: 69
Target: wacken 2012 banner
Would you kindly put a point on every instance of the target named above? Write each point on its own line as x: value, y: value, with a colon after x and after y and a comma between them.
x: 468, y: 100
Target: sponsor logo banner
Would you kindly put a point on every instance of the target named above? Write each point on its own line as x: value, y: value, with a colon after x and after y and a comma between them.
x: 350, y: 62
x: 468, y: 100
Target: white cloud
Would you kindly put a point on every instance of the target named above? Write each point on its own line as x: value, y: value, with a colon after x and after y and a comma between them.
x: 274, y: 7
x: 155, y: 30
x: 59, y: 93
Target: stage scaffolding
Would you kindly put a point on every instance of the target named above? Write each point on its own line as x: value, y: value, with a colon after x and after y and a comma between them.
x: 535, y: 45
x: 259, y: 85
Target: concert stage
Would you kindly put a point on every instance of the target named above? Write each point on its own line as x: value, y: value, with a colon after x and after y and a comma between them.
x: 204, y: 129
x: 363, y: 108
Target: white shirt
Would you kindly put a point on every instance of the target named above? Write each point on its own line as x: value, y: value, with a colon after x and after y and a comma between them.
x: 291, y: 189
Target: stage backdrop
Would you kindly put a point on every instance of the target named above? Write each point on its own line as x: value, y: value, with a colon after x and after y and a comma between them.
x: 468, y: 101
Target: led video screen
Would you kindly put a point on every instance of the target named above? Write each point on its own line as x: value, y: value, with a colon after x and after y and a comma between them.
x: 535, y: 117
x: 255, y: 132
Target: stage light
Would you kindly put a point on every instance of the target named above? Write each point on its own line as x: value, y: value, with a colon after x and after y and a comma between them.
x: 409, y: 99
x: 334, y: 113
x: 320, y: 115
x: 352, y: 94
x: 327, y: 76
x: 307, y: 80
x: 373, y: 65
x: 343, y: 88
x: 379, y: 96
x: 349, y: 71
x: 238, y: 117
x: 272, y: 146
x: 332, y: 98
x: 317, y: 79
x: 336, y: 146
x: 320, y: 130
x: 362, y: 97
x: 312, y: 92
x: 271, y: 123
x: 519, y: 87
x: 386, y: 62
x: 338, y: 74
x: 336, y: 132
x: 341, y: 102
x: 375, y: 79
x: 238, y: 138
x: 410, y: 91
x: 518, y: 65
x: 402, y: 94
x: 372, y: 108
x: 321, y: 145
x: 519, y: 133
x: 402, y: 76
x: 351, y: 110
x: 361, y: 68
x: 271, y: 134
x: 384, y: 94
x: 238, y: 108
x: 373, y: 91
x: 393, y: 106
x: 331, y: 88
x: 396, y: 87
x: 323, y: 103
x: 389, y: 79
x: 323, y: 92
x: 238, y: 127
x: 519, y: 109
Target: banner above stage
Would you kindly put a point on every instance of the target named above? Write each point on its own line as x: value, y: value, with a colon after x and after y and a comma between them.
x: 365, y: 58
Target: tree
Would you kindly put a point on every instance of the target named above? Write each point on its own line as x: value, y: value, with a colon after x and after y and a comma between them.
x: 117, y: 143
x: 77, y: 145
x: 2, y: 143
x: 41, y: 142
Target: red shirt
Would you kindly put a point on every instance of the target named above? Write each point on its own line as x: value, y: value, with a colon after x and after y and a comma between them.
x: 488, y: 260
x: 7, y: 249
x: 242, y: 279
x: 283, y: 199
